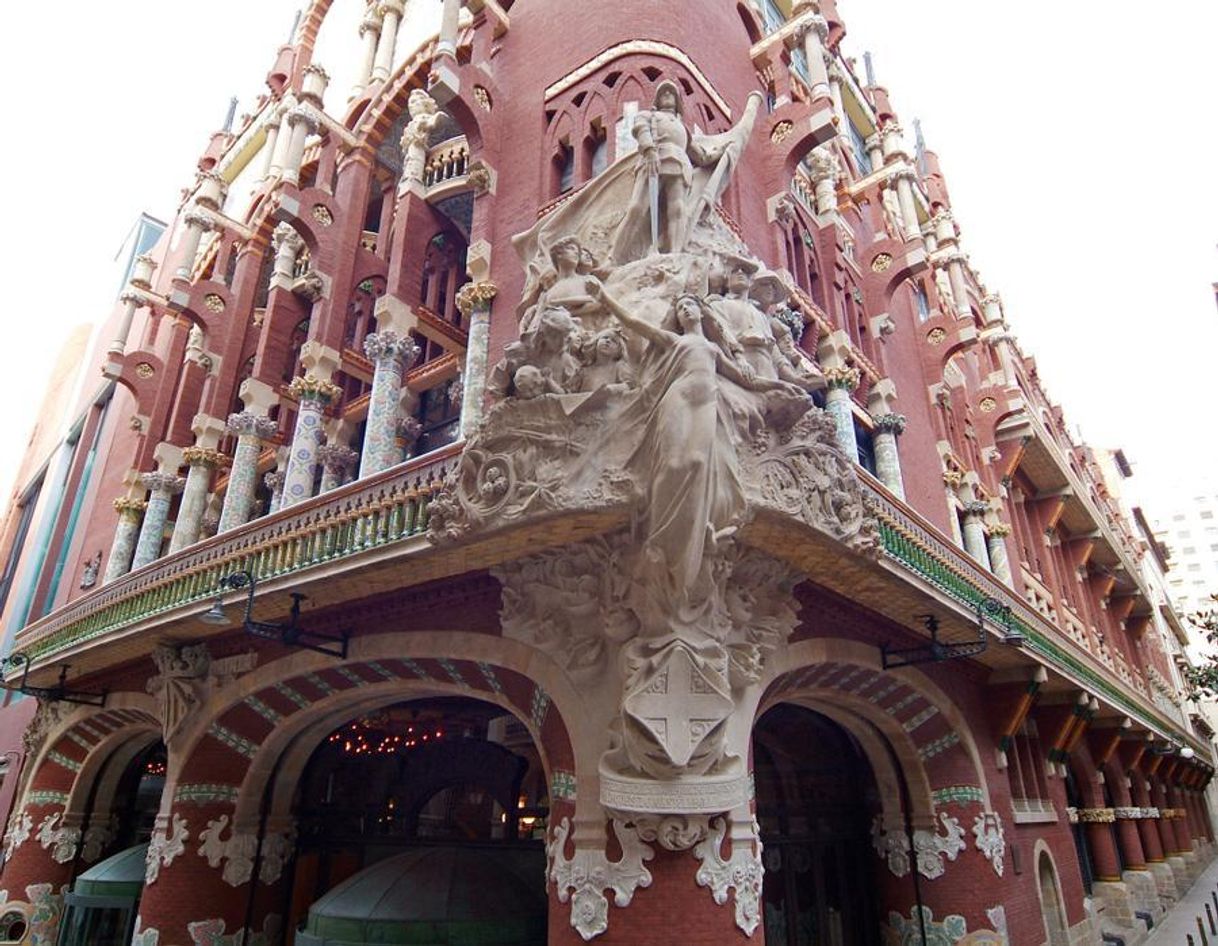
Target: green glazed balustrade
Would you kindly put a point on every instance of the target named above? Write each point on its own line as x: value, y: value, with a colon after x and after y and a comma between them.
x: 901, y: 547
x: 303, y: 546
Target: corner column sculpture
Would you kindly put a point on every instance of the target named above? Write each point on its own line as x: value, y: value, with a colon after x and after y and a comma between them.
x: 202, y: 462
x: 302, y: 121
x: 474, y: 300
x: 955, y: 273
x: 197, y: 223
x: 888, y: 427
x: 825, y: 170
x: 251, y: 429
x: 313, y: 395
x: 391, y: 355
x: 841, y: 382
x: 123, y: 547
x: 163, y: 486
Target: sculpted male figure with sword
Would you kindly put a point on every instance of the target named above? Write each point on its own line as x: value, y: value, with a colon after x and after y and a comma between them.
x: 668, y: 198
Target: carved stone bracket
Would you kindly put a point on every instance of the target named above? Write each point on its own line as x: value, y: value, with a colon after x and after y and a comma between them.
x: 166, y: 844
x: 741, y: 873
x: 990, y: 839
x: 583, y: 878
x: 186, y: 677
x: 61, y: 840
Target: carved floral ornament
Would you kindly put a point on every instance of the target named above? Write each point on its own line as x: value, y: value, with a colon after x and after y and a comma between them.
x: 213, y: 302
x: 634, y: 395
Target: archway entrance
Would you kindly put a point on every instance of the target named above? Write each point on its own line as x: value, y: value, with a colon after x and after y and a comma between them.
x: 816, y: 796
x: 423, y: 801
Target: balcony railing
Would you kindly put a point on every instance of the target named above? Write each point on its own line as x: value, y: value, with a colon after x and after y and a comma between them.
x: 914, y: 545
x: 367, y: 514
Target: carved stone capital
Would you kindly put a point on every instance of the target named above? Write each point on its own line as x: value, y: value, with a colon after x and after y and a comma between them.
x: 891, y: 424
x: 1000, y: 530
x: 953, y: 479
x: 304, y: 115
x: 337, y: 457
x: 1096, y: 815
x: 180, y: 684
x: 843, y: 376
x: 137, y: 299
x: 312, y: 388
x: 287, y: 237
x: 811, y: 22
x: 475, y: 295
x: 824, y: 165
x: 202, y: 456
x: 274, y: 480
x: 408, y: 429
x: 168, y: 483
x: 247, y: 423
x: 976, y: 508
x: 389, y: 346
x: 133, y: 508
x: 371, y: 23
x: 196, y: 217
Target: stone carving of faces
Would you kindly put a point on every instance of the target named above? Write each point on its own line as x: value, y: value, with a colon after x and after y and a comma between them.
x: 529, y: 382
x: 420, y: 103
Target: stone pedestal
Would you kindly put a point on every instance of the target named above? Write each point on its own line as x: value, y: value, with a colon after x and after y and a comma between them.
x: 1144, y: 892
x: 1165, y: 882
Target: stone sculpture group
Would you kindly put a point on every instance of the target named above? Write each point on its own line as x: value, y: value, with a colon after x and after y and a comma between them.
x: 657, y: 382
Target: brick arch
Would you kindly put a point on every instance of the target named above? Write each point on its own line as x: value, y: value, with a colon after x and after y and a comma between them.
x: 83, y: 743
x: 926, y: 728
x: 256, y: 718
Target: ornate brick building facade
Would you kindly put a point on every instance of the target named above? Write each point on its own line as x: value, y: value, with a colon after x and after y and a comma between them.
x: 671, y: 508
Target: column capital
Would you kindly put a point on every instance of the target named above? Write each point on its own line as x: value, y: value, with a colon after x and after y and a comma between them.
x: 844, y: 376
x: 1000, y: 530
x: 162, y: 482
x: 371, y: 23
x: 306, y: 115
x: 313, y: 69
x: 952, y: 478
x: 285, y: 235
x: 197, y: 217
x: 126, y: 506
x: 274, y: 480
x: 141, y: 272
x: 337, y: 457
x: 976, y: 507
x: 247, y: 422
x: 811, y: 22
x: 388, y: 345
x: 397, y: 7
x: 823, y: 165
x: 903, y: 173
x: 475, y: 295
x: 312, y: 388
x: 1096, y: 815
x: 202, y: 456
x: 891, y: 424
x: 891, y: 128
x: 956, y: 256
x: 137, y: 299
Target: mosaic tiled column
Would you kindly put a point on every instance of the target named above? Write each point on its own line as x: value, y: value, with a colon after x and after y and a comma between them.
x: 841, y: 382
x: 474, y: 301
x: 202, y: 462
x: 974, y: 532
x: 162, y: 486
x: 337, y: 461
x: 996, y: 543
x: 251, y: 429
x: 123, y: 547
x: 274, y: 482
x: 391, y: 355
x: 313, y: 395
x: 887, y: 459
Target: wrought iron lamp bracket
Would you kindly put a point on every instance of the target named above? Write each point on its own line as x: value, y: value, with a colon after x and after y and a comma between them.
x: 289, y: 634
x: 939, y: 650
x: 59, y: 693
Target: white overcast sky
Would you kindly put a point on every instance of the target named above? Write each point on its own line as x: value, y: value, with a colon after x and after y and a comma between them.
x: 1078, y: 140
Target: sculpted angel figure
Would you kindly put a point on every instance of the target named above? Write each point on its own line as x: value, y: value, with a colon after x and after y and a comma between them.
x: 686, y: 459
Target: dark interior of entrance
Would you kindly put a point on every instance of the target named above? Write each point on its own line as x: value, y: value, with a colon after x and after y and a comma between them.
x: 816, y: 796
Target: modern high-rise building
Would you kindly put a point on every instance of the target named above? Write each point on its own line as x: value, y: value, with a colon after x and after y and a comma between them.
x: 560, y: 478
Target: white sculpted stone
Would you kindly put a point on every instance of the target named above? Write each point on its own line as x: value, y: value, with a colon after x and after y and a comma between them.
x: 741, y: 873
x: 165, y: 847
x: 583, y: 878
x: 236, y: 852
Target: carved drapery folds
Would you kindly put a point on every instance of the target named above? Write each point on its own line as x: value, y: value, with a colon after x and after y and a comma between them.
x: 656, y: 392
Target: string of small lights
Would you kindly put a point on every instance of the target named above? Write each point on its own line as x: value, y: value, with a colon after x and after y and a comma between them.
x: 370, y: 737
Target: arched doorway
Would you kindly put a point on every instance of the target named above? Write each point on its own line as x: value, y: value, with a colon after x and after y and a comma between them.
x: 423, y: 784
x: 816, y: 797
x: 1051, y: 910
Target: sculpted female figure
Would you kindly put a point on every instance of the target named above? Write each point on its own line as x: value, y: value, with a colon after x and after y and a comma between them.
x: 685, y: 460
